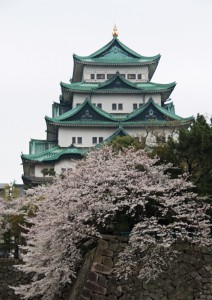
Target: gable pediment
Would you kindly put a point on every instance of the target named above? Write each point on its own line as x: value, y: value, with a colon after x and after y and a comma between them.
x: 88, y: 113
x: 149, y: 113
x: 117, y: 82
x: 115, y: 49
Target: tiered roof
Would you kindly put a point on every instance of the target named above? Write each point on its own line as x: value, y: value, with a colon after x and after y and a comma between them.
x: 115, y: 53
x: 53, y: 154
x: 117, y: 85
x: 89, y: 115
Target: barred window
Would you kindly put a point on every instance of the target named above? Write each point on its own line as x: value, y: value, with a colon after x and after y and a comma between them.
x: 135, y: 106
x: 100, y: 76
x: 131, y: 76
x: 114, y: 106
x: 120, y: 106
x: 94, y: 140
x: 79, y: 140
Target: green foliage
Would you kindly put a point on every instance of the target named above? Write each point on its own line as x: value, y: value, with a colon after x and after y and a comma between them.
x: 192, y: 153
x: 122, y: 142
x: 49, y: 172
x: 10, y: 191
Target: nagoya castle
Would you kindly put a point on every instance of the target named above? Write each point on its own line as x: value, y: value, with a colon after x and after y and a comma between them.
x: 110, y: 94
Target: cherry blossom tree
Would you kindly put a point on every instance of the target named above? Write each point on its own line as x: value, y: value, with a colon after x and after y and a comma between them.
x: 13, y: 214
x: 105, y: 189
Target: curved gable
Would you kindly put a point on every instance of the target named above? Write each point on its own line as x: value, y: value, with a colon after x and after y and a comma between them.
x: 84, y: 112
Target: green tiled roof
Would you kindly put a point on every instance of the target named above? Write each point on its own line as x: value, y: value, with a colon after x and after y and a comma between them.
x: 115, y: 120
x: 164, y: 111
x: 74, y: 111
x: 53, y: 154
x: 119, y: 132
x: 126, y: 86
x: 115, y: 52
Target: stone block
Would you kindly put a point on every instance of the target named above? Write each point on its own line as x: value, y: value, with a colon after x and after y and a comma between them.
x: 112, y: 297
x: 129, y: 297
x: 97, y: 257
x: 109, y: 237
x: 107, y: 261
x: 96, y: 288
x: 113, y: 247
x: 123, y: 297
x: 123, y: 239
x: 105, y: 252
x: 102, y: 244
x: 86, y: 293
x: 95, y: 297
x: 83, y: 298
x: 111, y: 289
x: 100, y: 268
x: 125, y: 288
x: 102, y: 281
x: 102, y: 297
x: 112, y: 280
x: 208, y: 258
x: 92, y: 276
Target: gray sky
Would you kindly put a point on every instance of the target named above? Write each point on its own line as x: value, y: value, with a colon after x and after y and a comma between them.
x: 38, y: 38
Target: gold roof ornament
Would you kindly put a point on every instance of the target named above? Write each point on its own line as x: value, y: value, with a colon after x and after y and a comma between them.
x: 115, y: 31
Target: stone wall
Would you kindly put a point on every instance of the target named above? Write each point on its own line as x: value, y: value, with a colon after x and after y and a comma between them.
x: 10, y: 276
x: 189, y: 278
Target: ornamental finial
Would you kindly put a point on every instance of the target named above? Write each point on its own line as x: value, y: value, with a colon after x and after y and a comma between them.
x: 115, y: 31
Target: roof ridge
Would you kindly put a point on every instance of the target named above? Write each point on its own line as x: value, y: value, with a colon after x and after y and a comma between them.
x: 75, y: 110
x: 115, y: 41
x: 113, y: 78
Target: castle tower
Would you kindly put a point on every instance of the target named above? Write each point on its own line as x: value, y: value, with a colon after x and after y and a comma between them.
x: 110, y: 94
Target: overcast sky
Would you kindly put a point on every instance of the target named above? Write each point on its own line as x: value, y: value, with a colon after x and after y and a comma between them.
x: 39, y: 37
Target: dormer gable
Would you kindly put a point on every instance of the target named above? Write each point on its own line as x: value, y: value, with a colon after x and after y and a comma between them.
x: 117, y: 82
x: 153, y: 112
x: 86, y: 111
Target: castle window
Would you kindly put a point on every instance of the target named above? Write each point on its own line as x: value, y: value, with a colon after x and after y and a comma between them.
x: 120, y: 106
x: 94, y: 140
x: 100, y: 76
x: 101, y: 139
x: 110, y: 76
x: 122, y: 75
x: 73, y: 140
x: 114, y: 106
x: 79, y: 140
x: 139, y: 76
x: 140, y: 104
x: 131, y: 76
x: 99, y: 105
x: 135, y: 106
x: 92, y: 76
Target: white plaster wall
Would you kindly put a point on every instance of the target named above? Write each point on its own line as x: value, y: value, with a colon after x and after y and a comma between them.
x: 155, y: 97
x: 58, y: 167
x: 65, y: 135
x: 88, y: 70
x: 39, y: 168
x: 151, y: 134
x: 79, y: 98
x: 126, y: 100
x: 107, y: 100
x: 65, y: 164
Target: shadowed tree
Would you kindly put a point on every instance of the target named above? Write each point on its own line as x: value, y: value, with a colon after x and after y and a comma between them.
x: 192, y: 153
x: 105, y: 189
